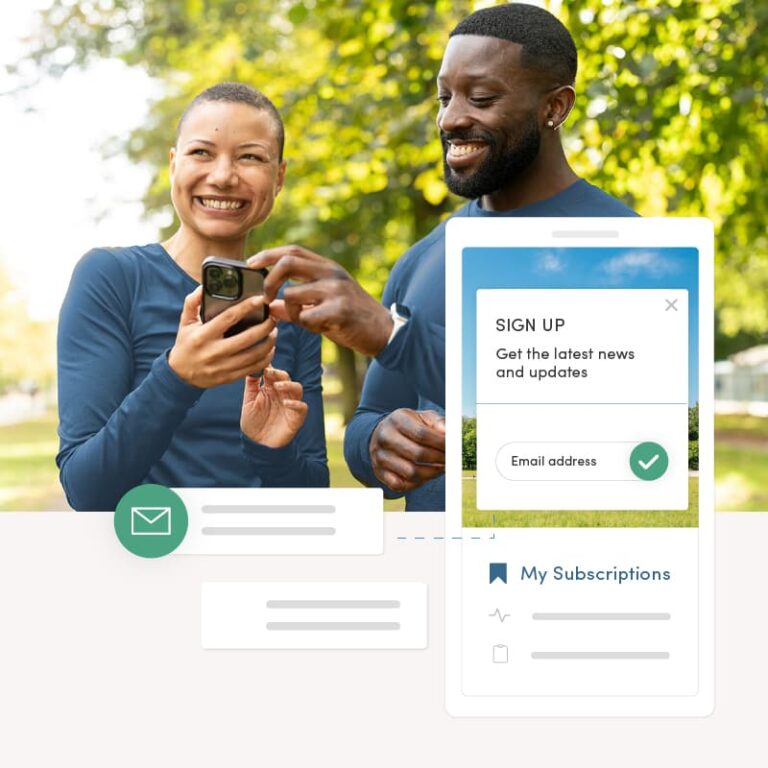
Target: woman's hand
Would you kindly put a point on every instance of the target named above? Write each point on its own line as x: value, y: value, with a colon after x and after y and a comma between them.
x: 273, y: 412
x: 202, y: 356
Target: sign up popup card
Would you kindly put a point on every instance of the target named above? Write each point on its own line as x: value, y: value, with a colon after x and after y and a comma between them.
x: 579, y: 463
x: 582, y: 397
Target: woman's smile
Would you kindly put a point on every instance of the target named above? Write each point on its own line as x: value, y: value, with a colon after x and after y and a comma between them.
x: 218, y: 205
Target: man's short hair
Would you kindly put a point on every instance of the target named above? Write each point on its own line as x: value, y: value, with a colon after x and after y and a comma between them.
x: 238, y: 93
x: 547, y: 45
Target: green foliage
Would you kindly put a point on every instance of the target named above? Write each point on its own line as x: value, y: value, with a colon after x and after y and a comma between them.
x: 670, y: 115
x: 469, y: 443
x: 693, y: 437
x: 693, y: 454
x: 354, y: 82
x: 725, y: 346
x: 693, y: 422
x: 676, y: 119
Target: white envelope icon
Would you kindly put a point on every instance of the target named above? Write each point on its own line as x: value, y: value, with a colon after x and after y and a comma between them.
x: 500, y: 654
x: 150, y: 521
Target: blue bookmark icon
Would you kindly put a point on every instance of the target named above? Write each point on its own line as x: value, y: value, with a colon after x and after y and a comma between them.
x: 497, y: 571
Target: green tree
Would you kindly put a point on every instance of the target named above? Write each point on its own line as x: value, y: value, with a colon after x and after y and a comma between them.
x: 671, y: 115
x: 469, y: 443
x: 354, y: 81
x: 693, y: 437
x: 675, y: 118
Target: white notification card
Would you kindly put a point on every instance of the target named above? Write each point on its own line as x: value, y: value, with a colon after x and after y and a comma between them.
x: 274, y: 521
x: 579, y: 465
x: 314, y: 615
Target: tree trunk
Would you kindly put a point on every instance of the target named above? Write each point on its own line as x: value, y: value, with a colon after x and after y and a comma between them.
x: 350, y: 383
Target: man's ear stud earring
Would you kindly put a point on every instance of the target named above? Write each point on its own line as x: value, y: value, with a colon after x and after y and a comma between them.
x: 550, y: 123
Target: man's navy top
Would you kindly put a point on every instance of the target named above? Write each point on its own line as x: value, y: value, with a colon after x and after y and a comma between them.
x: 410, y: 371
x: 126, y: 418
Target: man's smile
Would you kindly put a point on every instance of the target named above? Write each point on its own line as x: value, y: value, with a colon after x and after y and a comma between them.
x: 463, y: 153
x: 462, y: 150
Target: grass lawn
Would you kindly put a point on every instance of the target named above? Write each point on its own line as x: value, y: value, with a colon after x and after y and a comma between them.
x: 741, y: 463
x: 741, y: 479
x: 736, y: 425
x: 578, y: 519
x: 29, y: 478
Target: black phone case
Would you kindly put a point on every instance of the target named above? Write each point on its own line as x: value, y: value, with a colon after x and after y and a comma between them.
x: 252, y: 281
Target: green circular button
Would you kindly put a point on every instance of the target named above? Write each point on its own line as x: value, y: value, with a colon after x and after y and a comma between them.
x: 648, y: 461
x: 151, y: 520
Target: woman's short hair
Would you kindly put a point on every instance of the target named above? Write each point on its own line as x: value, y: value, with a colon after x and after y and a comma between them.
x: 238, y: 93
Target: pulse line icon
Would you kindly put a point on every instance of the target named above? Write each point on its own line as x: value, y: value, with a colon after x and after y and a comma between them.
x: 499, y: 614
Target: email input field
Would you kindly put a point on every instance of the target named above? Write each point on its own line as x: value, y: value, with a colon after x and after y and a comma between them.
x: 566, y: 461
x: 539, y: 456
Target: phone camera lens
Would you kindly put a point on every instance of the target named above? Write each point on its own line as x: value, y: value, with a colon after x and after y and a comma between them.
x: 230, y: 283
x: 223, y: 282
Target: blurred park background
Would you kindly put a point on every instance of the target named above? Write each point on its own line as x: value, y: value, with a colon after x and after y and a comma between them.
x: 671, y: 116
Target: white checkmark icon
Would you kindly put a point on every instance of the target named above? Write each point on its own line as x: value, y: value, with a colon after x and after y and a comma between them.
x: 648, y: 464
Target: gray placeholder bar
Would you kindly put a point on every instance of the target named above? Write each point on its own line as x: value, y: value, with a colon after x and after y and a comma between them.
x: 600, y: 655
x: 585, y: 233
x: 268, y: 509
x: 601, y: 616
x: 312, y: 626
x: 232, y: 531
x: 330, y: 604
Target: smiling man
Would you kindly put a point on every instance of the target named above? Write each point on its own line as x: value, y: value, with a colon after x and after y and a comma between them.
x: 505, y: 87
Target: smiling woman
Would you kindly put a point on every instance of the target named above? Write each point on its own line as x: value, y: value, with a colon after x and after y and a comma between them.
x: 148, y: 392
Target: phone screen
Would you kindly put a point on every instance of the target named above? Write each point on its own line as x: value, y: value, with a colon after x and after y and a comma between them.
x: 581, y: 386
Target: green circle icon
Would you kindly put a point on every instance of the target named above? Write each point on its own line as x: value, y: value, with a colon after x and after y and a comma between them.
x: 151, y: 520
x: 648, y: 461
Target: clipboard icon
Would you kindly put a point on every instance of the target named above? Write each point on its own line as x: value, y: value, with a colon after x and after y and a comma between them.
x: 500, y: 654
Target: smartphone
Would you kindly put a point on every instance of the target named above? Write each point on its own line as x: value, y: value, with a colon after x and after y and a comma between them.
x: 226, y: 283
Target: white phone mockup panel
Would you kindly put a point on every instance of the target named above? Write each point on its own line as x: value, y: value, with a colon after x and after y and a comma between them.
x: 579, y: 466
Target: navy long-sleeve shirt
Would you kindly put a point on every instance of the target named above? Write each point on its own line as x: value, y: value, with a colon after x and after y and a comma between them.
x: 126, y: 418
x: 410, y: 371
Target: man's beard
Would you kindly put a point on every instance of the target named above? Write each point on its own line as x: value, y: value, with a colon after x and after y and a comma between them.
x: 500, y: 168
